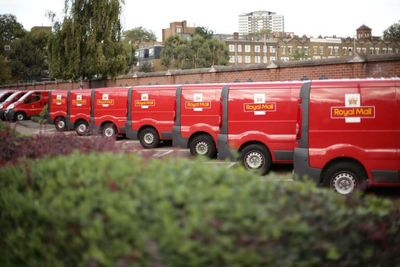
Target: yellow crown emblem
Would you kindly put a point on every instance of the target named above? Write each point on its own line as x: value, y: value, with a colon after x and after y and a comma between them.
x: 353, y: 101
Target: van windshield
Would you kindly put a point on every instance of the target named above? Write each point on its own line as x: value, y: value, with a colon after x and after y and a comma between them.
x: 15, y: 96
x: 25, y: 96
x: 4, y: 96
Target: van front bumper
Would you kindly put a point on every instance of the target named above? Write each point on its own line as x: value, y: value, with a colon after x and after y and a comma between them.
x: 9, y: 114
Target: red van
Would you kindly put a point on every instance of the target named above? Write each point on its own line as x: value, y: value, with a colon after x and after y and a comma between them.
x: 350, y: 134
x: 259, y: 121
x: 109, y: 111
x: 151, y: 114
x: 58, y: 109
x: 198, y: 118
x: 5, y: 94
x: 31, y: 103
x: 12, y: 97
x: 79, y: 110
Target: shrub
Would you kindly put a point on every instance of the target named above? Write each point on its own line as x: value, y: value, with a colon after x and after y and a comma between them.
x: 117, y: 210
x: 13, y: 146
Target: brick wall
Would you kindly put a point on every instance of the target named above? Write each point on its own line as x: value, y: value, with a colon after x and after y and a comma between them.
x: 356, y: 67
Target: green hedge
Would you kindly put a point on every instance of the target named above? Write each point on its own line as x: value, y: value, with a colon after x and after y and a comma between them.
x: 119, y: 210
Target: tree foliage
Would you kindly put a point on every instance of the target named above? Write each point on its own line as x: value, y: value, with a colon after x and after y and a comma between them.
x: 138, y: 36
x: 5, y: 72
x: 392, y: 33
x: 10, y: 29
x: 29, y: 56
x: 199, y: 52
x: 88, y: 43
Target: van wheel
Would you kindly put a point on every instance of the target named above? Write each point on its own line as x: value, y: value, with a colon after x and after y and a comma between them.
x: 343, y: 177
x: 256, y: 157
x: 20, y: 116
x: 60, y: 124
x: 203, y: 145
x: 109, y: 130
x: 82, y: 128
x: 149, y: 138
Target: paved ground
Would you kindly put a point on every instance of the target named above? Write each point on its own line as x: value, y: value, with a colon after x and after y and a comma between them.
x: 279, y: 173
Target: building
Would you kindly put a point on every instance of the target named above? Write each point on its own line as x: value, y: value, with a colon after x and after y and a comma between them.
x: 263, y: 49
x: 149, y: 55
x: 178, y: 28
x: 257, y: 21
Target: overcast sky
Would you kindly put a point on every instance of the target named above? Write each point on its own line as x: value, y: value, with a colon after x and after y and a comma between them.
x: 311, y: 17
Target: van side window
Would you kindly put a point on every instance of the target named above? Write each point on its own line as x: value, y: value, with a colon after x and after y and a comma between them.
x: 33, y: 98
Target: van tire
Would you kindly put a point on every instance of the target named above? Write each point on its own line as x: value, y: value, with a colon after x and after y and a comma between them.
x: 149, y: 138
x: 203, y: 145
x: 82, y: 128
x: 108, y: 130
x: 60, y: 124
x: 20, y: 116
x: 256, y: 157
x: 344, y: 177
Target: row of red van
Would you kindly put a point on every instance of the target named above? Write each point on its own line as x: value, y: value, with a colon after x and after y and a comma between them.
x: 342, y: 133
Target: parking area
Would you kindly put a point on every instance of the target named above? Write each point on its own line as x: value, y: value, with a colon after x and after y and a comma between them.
x: 279, y: 173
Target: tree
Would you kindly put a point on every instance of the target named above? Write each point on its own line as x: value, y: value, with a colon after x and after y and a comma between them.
x: 199, y: 52
x: 10, y: 29
x: 204, y: 32
x: 5, y: 72
x: 139, y: 35
x: 29, y: 56
x: 88, y: 43
x: 392, y: 33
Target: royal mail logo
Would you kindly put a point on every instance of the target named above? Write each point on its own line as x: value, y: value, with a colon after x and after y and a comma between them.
x: 105, y: 102
x: 196, y: 105
x: 353, y: 112
x: 59, y: 101
x: 79, y: 102
x: 140, y: 103
x: 252, y: 107
x: 348, y: 112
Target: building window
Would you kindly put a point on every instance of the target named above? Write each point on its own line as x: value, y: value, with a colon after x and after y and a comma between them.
x: 239, y: 60
x: 272, y: 49
x: 272, y: 59
x: 257, y: 59
x: 178, y: 30
x: 371, y: 50
x: 265, y: 48
x: 315, y: 50
x: 321, y: 50
x: 239, y: 48
x: 336, y: 49
x: 364, y: 49
x: 257, y: 49
x: 377, y: 50
x: 231, y: 48
x: 390, y: 50
x: 289, y: 50
x: 283, y: 50
x: 247, y: 48
x: 265, y: 59
x: 384, y: 50
x: 231, y: 59
x: 151, y: 52
x: 305, y: 49
x: 247, y: 59
x: 330, y: 48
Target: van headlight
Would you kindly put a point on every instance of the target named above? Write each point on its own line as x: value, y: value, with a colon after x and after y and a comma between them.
x: 11, y: 106
x: 1, y: 106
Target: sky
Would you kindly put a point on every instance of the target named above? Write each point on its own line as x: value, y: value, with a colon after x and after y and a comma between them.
x: 310, y: 17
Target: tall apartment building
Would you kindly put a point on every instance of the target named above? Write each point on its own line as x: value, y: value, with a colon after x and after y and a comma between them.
x: 260, y: 20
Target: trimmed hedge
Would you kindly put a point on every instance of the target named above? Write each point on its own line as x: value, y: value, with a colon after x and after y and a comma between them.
x: 119, y: 210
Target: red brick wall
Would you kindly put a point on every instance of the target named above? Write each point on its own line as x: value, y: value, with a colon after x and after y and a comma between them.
x: 371, y: 67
